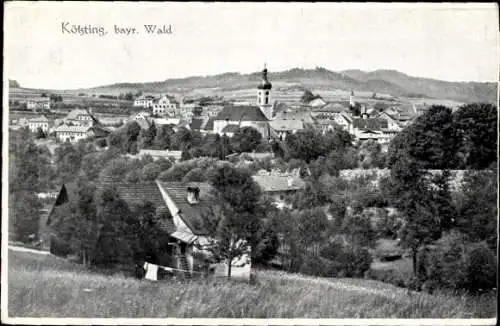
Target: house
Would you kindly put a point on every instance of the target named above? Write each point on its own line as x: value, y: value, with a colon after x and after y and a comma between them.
x: 213, y: 110
x: 156, y: 154
x: 329, y: 110
x: 38, y: 103
x: 392, y: 122
x: 41, y: 122
x: 144, y: 101
x: 73, y: 133
x: 165, y: 105
x: 278, y: 187
x: 255, y: 116
x: 373, y: 128
x: 79, y: 117
x: 282, y: 128
x: 318, y: 102
x: 166, y: 121
x: 143, y: 115
x: 184, y: 215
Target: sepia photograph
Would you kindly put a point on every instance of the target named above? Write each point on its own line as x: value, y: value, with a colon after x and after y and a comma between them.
x: 250, y: 163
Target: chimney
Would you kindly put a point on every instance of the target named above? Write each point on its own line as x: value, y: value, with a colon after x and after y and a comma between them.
x: 193, y: 195
x: 290, y: 181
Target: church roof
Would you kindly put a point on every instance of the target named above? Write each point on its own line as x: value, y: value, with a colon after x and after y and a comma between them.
x: 241, y: 113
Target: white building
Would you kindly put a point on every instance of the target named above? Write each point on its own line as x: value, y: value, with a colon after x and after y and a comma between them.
x: 38, y: 123
x: 79, y: 117
x: 73, y: 133
x: 165, y: 105
x: 39, y: 103
x: 144, y: 101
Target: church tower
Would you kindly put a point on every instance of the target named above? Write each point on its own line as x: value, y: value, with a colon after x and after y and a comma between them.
x: 264, y: 95
x: 351, y: 100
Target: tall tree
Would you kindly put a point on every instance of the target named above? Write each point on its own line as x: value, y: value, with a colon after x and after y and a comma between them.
x: 246, y: 139
x: 238, y: 198
x: 477, y: 126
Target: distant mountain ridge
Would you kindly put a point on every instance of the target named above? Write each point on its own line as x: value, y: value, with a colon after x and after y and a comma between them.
x: 379, y: 81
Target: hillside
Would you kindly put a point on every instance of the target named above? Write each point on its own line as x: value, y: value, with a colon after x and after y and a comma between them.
x: 48, y: 286
x: 379, y: 81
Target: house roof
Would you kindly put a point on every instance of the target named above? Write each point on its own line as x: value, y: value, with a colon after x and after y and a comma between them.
x: 66, y: 128
x: 39, y: 119
x: 316, y: 102
x: 271, y: 183
x: 169, y: 121
x: 209, y: 125
x: 286, y: 125
x: 39, y: 99
x: 161, y: 153
x: 66, y: 191
x: 196, y: 216
x: 139, y: 193
x: 196, y: 124
x: 231, y: 128
x: 332, y: 107
x: 371, y: 124
x: 241, y: 113
x: 73, y: 114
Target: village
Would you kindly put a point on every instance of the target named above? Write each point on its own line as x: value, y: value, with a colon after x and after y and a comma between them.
x: 261, y: 161
x: 181, y: 206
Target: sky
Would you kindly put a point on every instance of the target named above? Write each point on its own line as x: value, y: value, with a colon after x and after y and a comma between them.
x: 456, y: 42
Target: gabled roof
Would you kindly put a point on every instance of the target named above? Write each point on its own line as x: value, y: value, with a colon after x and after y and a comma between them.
x: 286, y: 125
x: 230, y: 128
x: 73, y: 114
x: 66, y: 191
x: 196, y: 216
x: 272, y: 183
x: 39, y: 119
x: 196, y: 124
x: 138, y: 193
x: 372, y: 124
x: 332, y: 107
x: 209, y: 125
x: 66, y: 128
x: 241, y: 113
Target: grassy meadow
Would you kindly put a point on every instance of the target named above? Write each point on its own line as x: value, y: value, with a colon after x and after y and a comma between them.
x: 48, y: 286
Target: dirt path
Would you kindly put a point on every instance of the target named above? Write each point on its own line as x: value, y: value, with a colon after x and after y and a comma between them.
x: 35, y: 251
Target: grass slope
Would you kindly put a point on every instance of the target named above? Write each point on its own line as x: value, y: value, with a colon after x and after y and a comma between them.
x: 47, y: 286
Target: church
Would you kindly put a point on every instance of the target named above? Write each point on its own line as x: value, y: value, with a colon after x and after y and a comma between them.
x: 233, y: 117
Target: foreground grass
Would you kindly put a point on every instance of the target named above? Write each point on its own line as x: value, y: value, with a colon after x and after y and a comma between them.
x: 46, y: 286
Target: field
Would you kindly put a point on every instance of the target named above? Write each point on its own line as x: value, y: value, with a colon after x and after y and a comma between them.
x: 47, y: 286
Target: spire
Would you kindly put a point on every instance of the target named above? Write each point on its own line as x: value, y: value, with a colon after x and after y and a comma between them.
x: 264, y: 74
x: 265, y: 81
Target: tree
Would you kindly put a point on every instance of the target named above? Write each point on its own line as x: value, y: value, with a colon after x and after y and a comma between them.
x: 308, y: 96
x: 150, y: 172
x: 359, y: 230
x: 246, y: 139
x: 24, y: 214
x: 477, y: 126
x: 432, y: 140
x: 239, y: 216
x: 477, y: 207
x: 163, y: 137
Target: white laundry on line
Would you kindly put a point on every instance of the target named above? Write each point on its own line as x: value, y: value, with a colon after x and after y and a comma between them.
x: 151, y: 271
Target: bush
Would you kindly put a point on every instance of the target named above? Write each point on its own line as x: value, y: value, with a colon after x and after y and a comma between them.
x: 480, y: 268
x: 59, y: 247
x: 356, y: 261
x: 390, y: 276
x: 460, y: 265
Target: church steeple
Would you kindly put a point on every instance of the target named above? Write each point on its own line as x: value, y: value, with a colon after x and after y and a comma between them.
x: 264, y: 95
